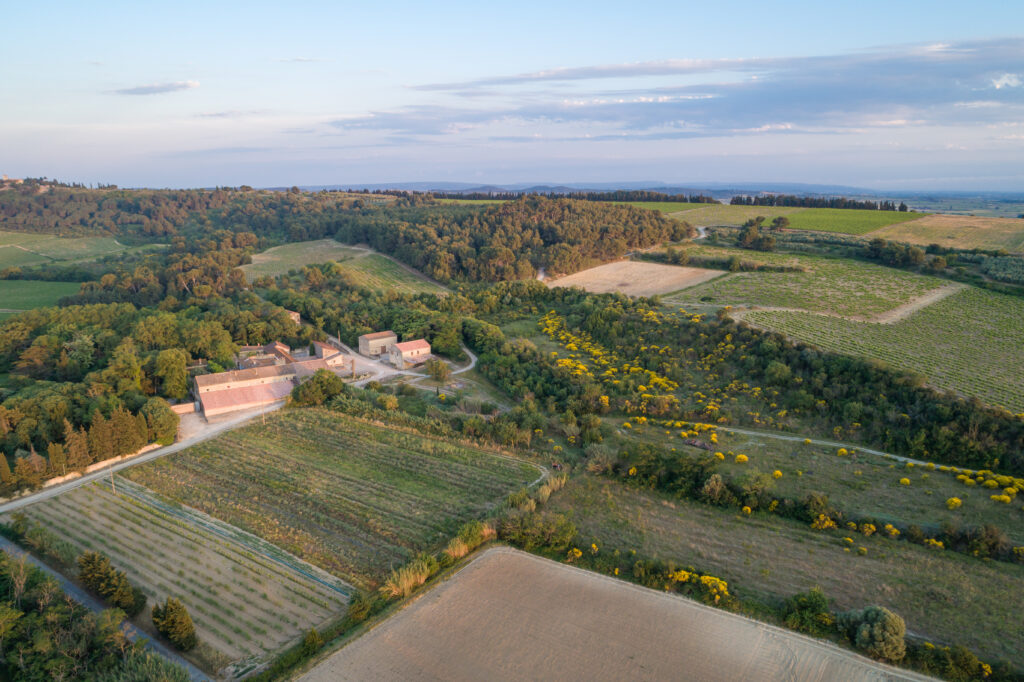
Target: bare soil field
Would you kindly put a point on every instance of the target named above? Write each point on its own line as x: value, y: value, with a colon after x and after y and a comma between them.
x: 636, y: 278
x: 964, y: 232
x: 511, y: 616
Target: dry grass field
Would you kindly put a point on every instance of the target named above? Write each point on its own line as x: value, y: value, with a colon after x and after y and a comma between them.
x: 513, y: 616
x: 962, y: 232
x: 944, y: 596
x: 636, y: 278
x: 246, y: 599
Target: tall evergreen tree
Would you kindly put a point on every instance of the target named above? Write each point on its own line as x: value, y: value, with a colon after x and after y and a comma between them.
x: 101, y: 442
x: 76, y: 449
x: 173, y: 622
x: 58, y: 459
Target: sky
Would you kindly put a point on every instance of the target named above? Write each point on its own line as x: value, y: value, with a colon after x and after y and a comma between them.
x: 883, y: 95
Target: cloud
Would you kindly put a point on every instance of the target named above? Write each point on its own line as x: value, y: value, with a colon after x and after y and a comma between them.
x: 891, y: 87
x: 1007, y: 80
x: 158, y: 88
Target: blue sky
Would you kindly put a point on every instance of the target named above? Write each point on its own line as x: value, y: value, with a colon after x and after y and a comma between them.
x: 888, y: 95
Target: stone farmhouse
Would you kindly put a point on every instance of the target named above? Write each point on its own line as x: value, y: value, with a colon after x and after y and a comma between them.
x: 377, y: 343
x: 265, y: 378
x: 409, y: 353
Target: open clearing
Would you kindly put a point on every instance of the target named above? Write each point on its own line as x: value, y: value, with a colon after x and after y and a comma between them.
x: 846, y: 221
x: 969, y: 342
x: 944, y: 596
x: 636, y: 278
x: 962, y: 232
x: 243, y: 603
x: 20, y: 294
x: 509, y: 615
x: 350, y: 497
x: 847, y: 288
x: 365, y: 267
x: 19, y: 249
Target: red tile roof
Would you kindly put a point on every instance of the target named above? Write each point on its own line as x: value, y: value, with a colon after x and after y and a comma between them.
x: 378, y: 335
x: 245, y: 396
x: 418, y: 344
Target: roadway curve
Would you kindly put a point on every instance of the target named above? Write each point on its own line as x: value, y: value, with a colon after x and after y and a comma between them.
x: 93, y: 604
x: 209, y: 431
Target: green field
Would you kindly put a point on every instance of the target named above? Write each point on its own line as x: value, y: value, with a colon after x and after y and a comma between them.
x: 969, y: 342
x: 18, y: 249
x: 827, y: 285
x: 846, y: 221
x: 244, y: 600
x: 366, y: 268
x: 945, y: 596
x: 279, y: 260
x: 667, y: 206
x: 19, y: 294
x: 352, y: 498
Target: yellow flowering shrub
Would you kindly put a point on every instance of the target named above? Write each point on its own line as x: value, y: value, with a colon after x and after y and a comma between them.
x: 954, y: 503
x: 573, y: 554
x: 904, y: 481
x: 867, y: 529
x: 823, y: 522
x: 842, y: 452
x: 932, y: 543
x: 741, y: 459
x: 746, y: 510
x: 776, y: 474
x: 719, y: 455
x: 1006, y: 499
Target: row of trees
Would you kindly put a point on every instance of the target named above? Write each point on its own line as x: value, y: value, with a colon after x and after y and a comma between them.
x: 816, y: 202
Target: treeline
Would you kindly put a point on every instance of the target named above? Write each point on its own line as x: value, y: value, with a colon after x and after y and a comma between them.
x: 48, y: 636
x: 621, y: 195
x: 511, y: 240
x: 815, y: 202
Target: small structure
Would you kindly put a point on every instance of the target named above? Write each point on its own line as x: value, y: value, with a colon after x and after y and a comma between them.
x: 376, y: 343
x: 296, y: 318
x: 409, y: 353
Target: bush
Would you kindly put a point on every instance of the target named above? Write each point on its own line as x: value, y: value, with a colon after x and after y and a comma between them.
x: 173, y: 622
x: 405, y: 580
x: 312, y: 642
x: 535, y: 530
x: 97, y: 574
x: 808, y: 612
x: 876, y: 631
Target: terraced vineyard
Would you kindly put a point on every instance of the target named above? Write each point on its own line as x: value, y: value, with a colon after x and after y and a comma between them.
x: 827, y: 285
x: 970, y: 342
x: 353, y: 498
x: 243, y: 602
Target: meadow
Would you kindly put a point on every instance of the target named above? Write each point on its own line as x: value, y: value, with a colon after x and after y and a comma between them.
x: 667, y: 206
x: 944, y: 596
x: 969, y: 342
x: 16, y: 294
x: 365, y: 268
x: 826, y: 285
x: 860, y: 484
x: 281, y: 259
x: 961, y: 232
x: 350, y: 497
x: 846, y: 221
x: 244, y: 603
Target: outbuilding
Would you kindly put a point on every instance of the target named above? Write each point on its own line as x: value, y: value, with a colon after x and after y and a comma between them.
x: 376, y: 343
x: 409, y: 353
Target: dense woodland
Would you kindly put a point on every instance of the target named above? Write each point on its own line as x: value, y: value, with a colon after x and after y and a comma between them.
x: 621, y: 195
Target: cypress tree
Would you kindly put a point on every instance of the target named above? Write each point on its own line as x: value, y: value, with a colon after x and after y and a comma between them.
x: 6, y: 477
x: 101, y: 445
x: 58, y: 459
x: 76, y: 449
x: 173, y: 622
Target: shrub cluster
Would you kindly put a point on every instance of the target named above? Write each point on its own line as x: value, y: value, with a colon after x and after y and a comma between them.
x: 99, y: 576
x: 173, y: 622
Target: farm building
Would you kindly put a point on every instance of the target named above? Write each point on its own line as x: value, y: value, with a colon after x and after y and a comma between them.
x: 296, y: 318
x: 329, y: 354
x: 376, y: 343
x: 409, y: 353
x: 274, y: 353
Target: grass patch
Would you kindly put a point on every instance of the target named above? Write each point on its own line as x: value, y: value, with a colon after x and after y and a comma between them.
x: 281, y: 259
x: 961, y: 232
x: 380, y: 273
x: 827, y: 285
x: 969, y: 342
x: 667, y: 206
x: 846, y: 220
x: 16, y: 294
x: 945, y: 596
x: 353, y: 498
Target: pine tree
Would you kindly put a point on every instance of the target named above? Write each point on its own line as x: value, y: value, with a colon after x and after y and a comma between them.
x: 173, y: 622
x: 58, y: 459
x: 6, y: 477
x: 26, y: 475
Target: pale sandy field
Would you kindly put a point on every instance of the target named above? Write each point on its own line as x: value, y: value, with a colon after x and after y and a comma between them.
x: 513, y: 616
x: 964, y: 232
x: 636, y: 278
